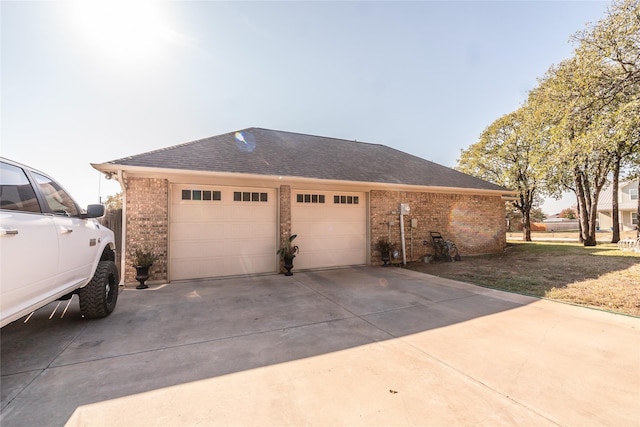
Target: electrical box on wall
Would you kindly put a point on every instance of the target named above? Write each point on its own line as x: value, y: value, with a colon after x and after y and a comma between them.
x: 404, y: 209
x: 414, y: 222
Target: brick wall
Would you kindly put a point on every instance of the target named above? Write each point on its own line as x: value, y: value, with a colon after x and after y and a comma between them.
x: 147, y: 223
x: 475, y: 224
x: 285, y: 216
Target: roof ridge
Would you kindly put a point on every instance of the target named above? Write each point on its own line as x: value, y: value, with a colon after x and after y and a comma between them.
x: 288, y: 153
x: 319, y: 136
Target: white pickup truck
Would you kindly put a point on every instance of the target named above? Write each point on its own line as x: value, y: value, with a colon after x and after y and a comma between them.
x: 50, y: 248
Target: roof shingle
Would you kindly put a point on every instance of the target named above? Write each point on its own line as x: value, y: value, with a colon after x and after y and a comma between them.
x: 279, y: 153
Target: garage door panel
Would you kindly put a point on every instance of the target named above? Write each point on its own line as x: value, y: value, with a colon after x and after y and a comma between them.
x: 315, y: 228
x: 195, y: 231
x: 186, y: 268
x: 241, y: 213
x: 198, y: 214
x: 349, y: 257
x: 329, y: 234
x: 252, y: 230
x: 188, y: 246
x: 337, y: 229
x: 222, y: 237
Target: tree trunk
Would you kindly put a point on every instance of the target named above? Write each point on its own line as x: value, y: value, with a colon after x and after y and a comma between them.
x: 586, y: 208
x: 615, y: 217
x: 526, y: 225
x: 582, y: 210
x: 526, y: 202
x: 593, y: 214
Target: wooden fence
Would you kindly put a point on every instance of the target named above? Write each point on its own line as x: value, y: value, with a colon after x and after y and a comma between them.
x: 112, y: 219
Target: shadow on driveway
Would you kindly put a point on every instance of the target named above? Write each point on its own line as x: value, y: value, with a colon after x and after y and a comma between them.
x: 466, y: 340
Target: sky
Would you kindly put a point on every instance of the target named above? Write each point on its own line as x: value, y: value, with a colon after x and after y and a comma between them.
x: 89, y: 82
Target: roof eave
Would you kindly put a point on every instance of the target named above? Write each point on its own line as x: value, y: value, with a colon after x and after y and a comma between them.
x: 110, y: 168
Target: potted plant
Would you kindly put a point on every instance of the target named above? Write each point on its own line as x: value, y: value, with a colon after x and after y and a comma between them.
x: 142, y: 261
x: 385, y: 247
x: 288, y: 252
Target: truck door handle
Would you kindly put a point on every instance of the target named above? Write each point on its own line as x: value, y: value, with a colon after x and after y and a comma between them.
x: 66, y: 230
x: 8, y: 232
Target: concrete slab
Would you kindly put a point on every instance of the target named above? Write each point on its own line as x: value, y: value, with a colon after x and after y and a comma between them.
x: 381, y: 346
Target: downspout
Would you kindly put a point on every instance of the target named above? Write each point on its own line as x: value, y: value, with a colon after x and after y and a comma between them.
x: 404, y: 209
x: 123, y: 236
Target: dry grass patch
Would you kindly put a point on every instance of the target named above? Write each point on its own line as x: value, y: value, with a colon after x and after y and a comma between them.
x: 602, y: 276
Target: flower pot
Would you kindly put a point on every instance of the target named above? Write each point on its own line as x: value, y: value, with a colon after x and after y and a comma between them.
x: 142, y: 274
x: 385, y: 258
x: 288, y: 264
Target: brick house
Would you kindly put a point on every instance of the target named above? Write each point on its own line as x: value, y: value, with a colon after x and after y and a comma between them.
x: 220, y: 206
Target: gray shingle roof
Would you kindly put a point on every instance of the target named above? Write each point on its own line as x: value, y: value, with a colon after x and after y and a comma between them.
x: 278, y: 153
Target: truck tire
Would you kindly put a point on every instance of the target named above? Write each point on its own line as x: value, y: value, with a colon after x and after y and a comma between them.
x: 98, y: 298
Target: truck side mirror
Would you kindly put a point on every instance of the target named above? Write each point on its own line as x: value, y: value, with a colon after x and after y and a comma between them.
x: 94, y: 211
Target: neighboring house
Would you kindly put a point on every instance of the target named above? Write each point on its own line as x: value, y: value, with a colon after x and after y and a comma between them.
x: 627, y: 206
x: 220, y: 206
x: 555, y: 223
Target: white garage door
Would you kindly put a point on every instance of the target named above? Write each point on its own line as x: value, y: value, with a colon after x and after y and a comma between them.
x: 331, y: 228
x: 221, y: 231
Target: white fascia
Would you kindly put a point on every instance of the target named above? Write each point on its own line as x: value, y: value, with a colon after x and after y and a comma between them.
x: 179, y: 176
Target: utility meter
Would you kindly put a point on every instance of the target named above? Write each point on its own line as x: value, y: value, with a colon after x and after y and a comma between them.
x: 404, y: 209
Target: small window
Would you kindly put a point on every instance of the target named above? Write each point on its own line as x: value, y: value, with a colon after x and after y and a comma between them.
x: 310, y: 198
x: 345, y: 200
x: 633, y: 194
x: 245, y: 196
x: 206, y: 195
x: 16, y: 193
x: 197, y: 194
x: 186, y: 194
x: 634, y: 218
x: 217, y: 195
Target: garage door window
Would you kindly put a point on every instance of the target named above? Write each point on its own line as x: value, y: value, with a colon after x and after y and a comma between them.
x: 246, y: 196
x: 206, y: 195
x: 310, y: 198
x: 346, y: 200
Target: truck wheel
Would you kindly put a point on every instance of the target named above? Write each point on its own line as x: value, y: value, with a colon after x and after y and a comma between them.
x: 98, y: 298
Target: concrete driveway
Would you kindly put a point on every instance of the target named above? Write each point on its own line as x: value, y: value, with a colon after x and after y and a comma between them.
x: 361, y: 346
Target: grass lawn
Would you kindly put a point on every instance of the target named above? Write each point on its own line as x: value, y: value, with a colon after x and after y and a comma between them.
x: 601, y: 276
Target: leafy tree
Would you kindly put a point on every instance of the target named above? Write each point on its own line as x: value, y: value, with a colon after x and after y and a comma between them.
x: 570, y: 97
x: 506, y: 155
x: 615, y: 42
x: 114, y: 201
x: 568, y: 213
x: 537, y: 215
x: 580, y: 126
